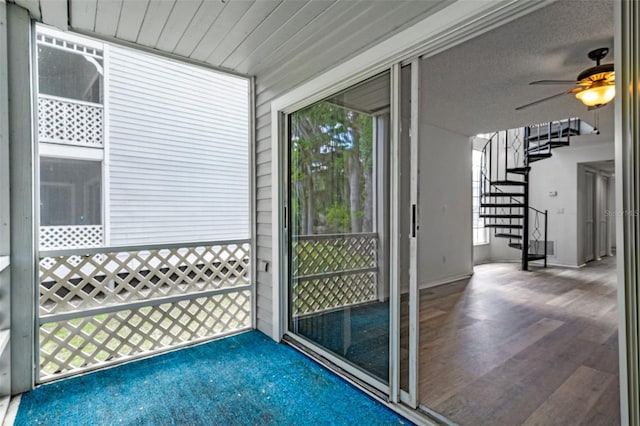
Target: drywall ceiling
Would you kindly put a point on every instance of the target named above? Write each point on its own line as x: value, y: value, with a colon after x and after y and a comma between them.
x: 474, y: 88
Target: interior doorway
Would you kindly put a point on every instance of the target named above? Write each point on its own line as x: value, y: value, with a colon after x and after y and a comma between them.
x: 595, y: 197
x: 498, y: 344
x: 589, y: 225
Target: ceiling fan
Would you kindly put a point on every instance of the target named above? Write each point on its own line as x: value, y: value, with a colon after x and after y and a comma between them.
x: 595, y: 85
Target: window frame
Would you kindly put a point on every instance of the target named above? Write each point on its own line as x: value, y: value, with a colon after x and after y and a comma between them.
x: 476, y: 199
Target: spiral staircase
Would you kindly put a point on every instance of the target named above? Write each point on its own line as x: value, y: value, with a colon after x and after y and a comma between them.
x: 506, y: 166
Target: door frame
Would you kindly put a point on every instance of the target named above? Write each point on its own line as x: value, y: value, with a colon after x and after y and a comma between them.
x: 453, y: 25
x: 390, y: 390
x: 444, y: 29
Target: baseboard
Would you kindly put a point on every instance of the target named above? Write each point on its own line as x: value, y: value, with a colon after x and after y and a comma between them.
x: 443, y: 281
x: 535, y: 263
x: 484, y: 262
x: 558, y: 265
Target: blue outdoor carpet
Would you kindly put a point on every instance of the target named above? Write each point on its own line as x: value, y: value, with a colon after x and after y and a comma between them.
x: 246, y: 379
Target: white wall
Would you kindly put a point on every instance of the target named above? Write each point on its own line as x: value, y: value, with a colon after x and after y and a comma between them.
x: 481, y: 254
x: 501, y: 252
x: 178, y: 151
x: 445, y: 237
x: 560, y: 173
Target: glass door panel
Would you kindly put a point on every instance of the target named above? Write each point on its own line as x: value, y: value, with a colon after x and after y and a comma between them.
x: 338, y: 239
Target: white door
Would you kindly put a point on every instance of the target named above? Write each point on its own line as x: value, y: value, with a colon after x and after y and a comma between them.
x: 589, y: 221
x: 409, y: 320
x: 603, y: 196
x: 342, y: 285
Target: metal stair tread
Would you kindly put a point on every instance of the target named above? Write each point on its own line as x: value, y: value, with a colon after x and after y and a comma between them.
x: 547, y: 145
x: 519, y: 170
x: 501, y: 216
x: 501, y: 225
x: 510, y: 236
x: 532, y: 256
x: 507, y: 183
x: 505, y: 205
x: 503, y: 194
x: 532, y: 158
x: 563, y: 133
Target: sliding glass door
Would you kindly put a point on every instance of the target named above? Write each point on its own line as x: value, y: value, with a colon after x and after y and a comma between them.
x: 338, y: 239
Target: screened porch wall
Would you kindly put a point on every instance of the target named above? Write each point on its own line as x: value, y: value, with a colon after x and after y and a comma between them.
x: 145, y: 237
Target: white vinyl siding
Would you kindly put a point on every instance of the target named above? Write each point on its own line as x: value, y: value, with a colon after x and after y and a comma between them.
x: 178, y: 151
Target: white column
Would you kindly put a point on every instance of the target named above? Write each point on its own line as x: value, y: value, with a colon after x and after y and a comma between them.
x: 22, y: 182
x: 627, y: 155
x: 5, y: 278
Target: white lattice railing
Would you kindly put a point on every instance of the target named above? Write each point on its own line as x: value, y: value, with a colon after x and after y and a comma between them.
x: 333, y: 271
x: 105, y: 305
x: 71, y: 237
x: 70, y: 122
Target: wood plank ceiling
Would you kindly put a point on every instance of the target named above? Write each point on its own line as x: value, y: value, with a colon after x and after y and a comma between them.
x: 253, y: 37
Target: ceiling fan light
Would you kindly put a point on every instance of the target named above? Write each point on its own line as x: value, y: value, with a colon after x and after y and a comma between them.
x: 597, y: 95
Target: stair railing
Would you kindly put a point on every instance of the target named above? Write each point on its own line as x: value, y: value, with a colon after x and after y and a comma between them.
x: 495, y: 162
x: 539, y: 233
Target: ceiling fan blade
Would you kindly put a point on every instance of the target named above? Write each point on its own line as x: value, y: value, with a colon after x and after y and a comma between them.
x: 591, y: 108
x: 521, y: 107
x: 552, y: 82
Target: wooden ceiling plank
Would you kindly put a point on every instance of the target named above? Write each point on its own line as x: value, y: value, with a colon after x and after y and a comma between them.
x: 371, y: 25
x: 181, y: 16
x: 230, y: 15
x: 342, y: 16
x: 107, y: 17
x: 311, y: 11
x: 83, y: 14
x: 201, y: 23
x: 131, y: 17
x: 55, y: 13
x: 276, y: 20
x: 154, y: 20
x: 255, y: 16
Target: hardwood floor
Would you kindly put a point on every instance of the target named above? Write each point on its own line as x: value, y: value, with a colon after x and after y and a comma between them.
x: 508, y: 347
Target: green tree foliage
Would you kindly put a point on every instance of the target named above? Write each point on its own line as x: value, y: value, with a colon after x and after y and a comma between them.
x: 331, y: 170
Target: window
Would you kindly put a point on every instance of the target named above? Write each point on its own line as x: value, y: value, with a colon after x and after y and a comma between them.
x: 480, y: 233
x: 69, y: 73
x: 70, y: 192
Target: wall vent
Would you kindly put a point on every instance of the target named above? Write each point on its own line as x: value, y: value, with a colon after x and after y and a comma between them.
x: 537, y: 247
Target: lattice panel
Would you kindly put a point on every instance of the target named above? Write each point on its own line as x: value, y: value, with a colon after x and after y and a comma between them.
x: 85, y: 343
x: 320, y: 254
x: 320, y: 294
x: 70, y: 122
x: 65, y: 237
x: 69, y: 283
